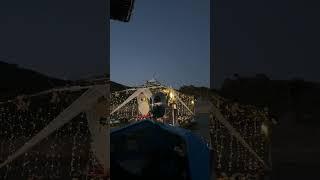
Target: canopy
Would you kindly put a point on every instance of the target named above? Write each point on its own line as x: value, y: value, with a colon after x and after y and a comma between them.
x: 152, y: 150
x: 121, y: 10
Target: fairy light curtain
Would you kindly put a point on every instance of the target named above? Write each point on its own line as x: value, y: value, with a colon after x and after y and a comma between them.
x: 65, y: 153
x: 129, y: 112
x: 242, y: 149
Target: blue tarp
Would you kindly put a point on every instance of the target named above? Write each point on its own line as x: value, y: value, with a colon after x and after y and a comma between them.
x: 198, y: 153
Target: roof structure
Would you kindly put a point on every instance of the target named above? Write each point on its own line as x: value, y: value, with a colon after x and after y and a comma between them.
x: 121, y: 10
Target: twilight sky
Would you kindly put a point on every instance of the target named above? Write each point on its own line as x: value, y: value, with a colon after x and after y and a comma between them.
x: 168, y: 38
x: 66, y: 39
x: 277, y: 37
x: 61, y: 38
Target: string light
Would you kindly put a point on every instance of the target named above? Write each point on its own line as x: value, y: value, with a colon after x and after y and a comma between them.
x: 233, y: 157
x: 23, y: 117
x: 130, y: 111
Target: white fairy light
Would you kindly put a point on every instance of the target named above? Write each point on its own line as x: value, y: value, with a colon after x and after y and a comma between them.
x: 23, y: 118
x: 246, y: 120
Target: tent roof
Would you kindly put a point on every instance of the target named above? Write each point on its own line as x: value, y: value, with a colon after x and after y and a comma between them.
x: 121, y: 10
x: 198, y: 152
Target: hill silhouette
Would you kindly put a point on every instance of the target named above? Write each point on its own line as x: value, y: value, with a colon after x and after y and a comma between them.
x: 281, y: 96
x: 17, y: 80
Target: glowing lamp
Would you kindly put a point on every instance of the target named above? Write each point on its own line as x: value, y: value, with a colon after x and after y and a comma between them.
x: 171, y: 95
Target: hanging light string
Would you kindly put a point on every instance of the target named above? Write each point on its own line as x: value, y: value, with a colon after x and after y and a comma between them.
x: 63, y: 89
x: 128, y: 111
x: 231, y: 120
x: 25, y: 116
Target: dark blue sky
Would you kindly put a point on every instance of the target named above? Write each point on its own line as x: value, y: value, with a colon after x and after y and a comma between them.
x: 168, y: 37
x: 277, y: 37
x: 61, y: 38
